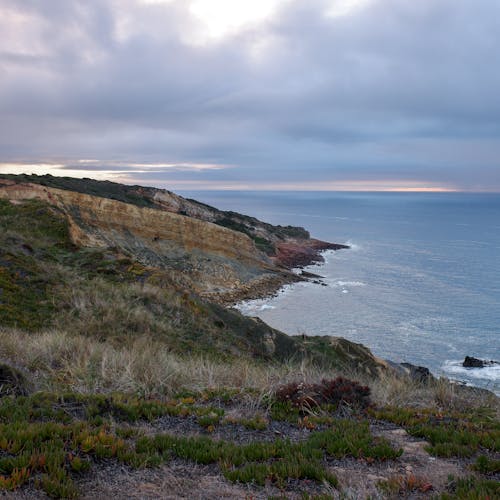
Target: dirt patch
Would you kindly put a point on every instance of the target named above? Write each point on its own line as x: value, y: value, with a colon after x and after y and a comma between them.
x: 233, y: 432
x: 175, y: 480
x: 361, y: 479
x: 181, y: 480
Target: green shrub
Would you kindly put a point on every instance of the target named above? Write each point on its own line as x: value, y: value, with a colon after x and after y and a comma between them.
x: 471, y: 488
x: 487, y: 465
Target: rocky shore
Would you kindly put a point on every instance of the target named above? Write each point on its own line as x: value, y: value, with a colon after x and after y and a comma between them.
x: 264, y: 286
x: 301, y: 253
x: 291, y: 255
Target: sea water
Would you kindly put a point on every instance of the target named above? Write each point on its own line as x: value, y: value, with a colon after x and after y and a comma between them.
x: 421, y: 282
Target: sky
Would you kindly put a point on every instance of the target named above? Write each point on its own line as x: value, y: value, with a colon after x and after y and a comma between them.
x: 260, y: 94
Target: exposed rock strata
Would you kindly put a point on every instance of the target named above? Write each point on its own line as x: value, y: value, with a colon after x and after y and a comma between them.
x: 299, y: 253
x: 216, y: 258
x: 287, y: 246
x: 224, y: 255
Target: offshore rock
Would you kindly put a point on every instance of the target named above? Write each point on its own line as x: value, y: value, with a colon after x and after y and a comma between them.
x: 471, y: 362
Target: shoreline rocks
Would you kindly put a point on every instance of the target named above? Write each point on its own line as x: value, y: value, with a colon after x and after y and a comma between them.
x: 301, y: 253
x: 418, y: 373
x: 471, y: 362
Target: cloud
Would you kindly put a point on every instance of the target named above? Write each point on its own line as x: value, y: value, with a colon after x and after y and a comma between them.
x: 383, y: 90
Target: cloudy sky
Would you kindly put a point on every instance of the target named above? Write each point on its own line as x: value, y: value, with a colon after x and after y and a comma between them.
x: 257, y: 94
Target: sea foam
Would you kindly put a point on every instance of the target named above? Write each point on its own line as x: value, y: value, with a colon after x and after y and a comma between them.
x: 348, y: 283
x: 488, y: 372
x: 353, y: 246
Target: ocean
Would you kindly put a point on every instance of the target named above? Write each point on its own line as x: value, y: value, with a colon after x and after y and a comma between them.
x: 420, y: 284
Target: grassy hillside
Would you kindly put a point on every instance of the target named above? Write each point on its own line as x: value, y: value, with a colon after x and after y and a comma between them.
x: 46, y: 282
x: 105, y: 189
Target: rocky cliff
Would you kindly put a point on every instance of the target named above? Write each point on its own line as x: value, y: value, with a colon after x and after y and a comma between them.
x: 287, y: 246
x: 224, y: 255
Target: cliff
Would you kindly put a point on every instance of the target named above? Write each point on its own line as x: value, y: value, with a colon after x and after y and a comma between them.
x: 224, y: 255
x: 214, y: 257
x: 287, y: 246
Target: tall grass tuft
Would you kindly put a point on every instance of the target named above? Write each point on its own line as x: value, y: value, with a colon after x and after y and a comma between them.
x: 144, y: 366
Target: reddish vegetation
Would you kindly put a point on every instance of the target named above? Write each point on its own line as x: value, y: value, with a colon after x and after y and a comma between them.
x: 298, y: 253
x: 336, y: 391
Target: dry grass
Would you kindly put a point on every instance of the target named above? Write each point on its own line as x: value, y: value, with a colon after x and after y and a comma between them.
x: 440, y: 393
x: 57, y: 360
x: 137, y: 309
x: 143, y: 366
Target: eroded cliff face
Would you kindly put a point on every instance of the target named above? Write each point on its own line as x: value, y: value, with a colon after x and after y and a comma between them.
x: 286, y: 246
x: 217, y: 259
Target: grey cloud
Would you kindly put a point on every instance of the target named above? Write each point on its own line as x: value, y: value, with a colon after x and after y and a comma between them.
x: 397, y: 89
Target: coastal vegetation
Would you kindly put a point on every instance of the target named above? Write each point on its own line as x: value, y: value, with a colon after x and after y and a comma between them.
x: 51, y: 438
x: 110, y: 364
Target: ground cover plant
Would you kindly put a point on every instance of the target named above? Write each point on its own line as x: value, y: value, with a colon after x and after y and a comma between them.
x: 487, y: 465
x: 471, y: 488
x: 47, y: 440
x: 473, y: 437
x: 451, y: 434
x: 404, y: 484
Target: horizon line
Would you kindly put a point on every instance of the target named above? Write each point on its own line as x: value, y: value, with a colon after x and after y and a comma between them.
x: 344, y: 186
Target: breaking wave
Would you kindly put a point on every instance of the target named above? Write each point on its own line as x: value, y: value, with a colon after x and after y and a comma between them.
x: 490, y: 374
x: 341, y: 283
x: 253, y: 306
x: 353, y: 246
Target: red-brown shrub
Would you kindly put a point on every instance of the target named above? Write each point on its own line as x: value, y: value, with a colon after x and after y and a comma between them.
x: 338, y: 391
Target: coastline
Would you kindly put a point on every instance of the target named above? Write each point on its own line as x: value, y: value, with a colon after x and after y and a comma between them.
x: 262, y: 287
x: 269, y: 288
x: 301, y: 253
x: 292, y: 256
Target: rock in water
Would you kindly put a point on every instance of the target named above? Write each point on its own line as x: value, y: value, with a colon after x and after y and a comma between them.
x: 471, y: 362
